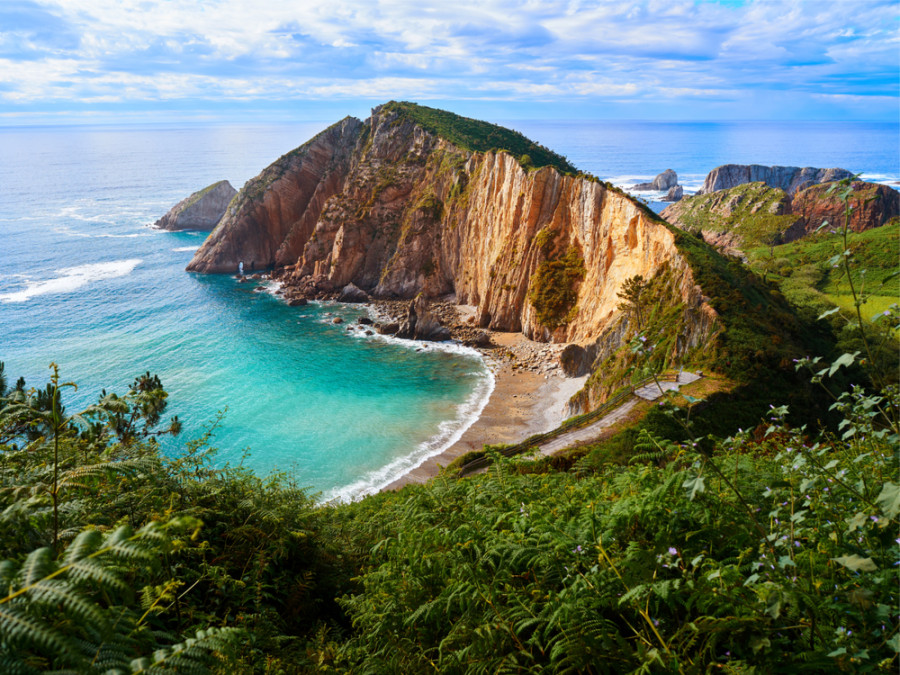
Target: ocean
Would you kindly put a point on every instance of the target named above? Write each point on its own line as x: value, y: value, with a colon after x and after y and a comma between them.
x: 87, y: 283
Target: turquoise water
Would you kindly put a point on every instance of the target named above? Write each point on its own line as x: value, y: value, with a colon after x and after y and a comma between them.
x: 86, y: 283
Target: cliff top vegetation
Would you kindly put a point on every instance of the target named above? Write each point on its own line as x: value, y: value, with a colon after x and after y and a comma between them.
x: 478, y: 136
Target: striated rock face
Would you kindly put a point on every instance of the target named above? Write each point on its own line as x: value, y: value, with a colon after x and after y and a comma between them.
x: 788, y: 178
x: 664, y: 181
x: 272, y: 217
x: 397, y: 211
x: 201, y: 211
x: 873, y: 206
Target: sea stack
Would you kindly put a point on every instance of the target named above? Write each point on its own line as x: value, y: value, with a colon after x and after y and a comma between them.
x: 201, y: 211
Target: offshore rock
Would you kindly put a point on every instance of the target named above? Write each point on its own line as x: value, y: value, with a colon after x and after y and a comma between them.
x: 791, y: 179
x: 667, y: 179
x: 201, y: 211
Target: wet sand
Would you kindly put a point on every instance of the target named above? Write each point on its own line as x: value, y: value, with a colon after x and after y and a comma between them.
x: 523, y: 403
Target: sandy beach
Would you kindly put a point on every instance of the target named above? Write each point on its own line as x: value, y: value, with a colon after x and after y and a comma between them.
x: 524, y: 402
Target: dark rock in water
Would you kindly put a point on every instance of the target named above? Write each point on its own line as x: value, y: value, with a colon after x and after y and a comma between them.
x: 297, y: 302
x: 337, y: 319
x: 574, y: 361
x: 674, y: 194
x: 352, y: 293
x: 791, y: 179
x: 259, y: 289
x: 387, y: 328
x: 243, y: 280
x: 364, y: 321
x: 422, y: 324
x: 256, y: 277
x: 201, y: 211
x: 663, y: 181
x: 368, y: 332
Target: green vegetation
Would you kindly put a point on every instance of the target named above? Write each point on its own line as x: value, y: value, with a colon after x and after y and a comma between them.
x: 477, y: 136
x: 770, y: 551
x: 806, y: 274
x: 553, y: 288
x: 750, y: 212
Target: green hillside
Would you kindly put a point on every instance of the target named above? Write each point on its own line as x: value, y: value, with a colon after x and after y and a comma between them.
x: 773, y: 551
x: 478, y: 136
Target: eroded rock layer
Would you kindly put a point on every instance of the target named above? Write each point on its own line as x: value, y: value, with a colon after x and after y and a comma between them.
x: 397, y: 210
x: 791, y: 179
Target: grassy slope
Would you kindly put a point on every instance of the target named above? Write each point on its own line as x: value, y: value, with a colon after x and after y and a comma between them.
x: 478, y: 136
x: 808, y: 278
x: 753, y: 219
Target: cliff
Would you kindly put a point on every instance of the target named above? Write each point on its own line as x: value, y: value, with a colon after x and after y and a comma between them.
x: 397, y: 209
x: 791, y: 179
x: 873, y: 205
x: 754, y: 214
x: 421, y: 203
x: 200, y: 211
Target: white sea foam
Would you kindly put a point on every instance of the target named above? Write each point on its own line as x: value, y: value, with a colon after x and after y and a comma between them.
x: 68, y: 231
x: 449, y: 433
x: 186, y: 248
x: 71, y: 279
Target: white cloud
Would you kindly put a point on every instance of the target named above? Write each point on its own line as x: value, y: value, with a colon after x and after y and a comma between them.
x: 163, y: 50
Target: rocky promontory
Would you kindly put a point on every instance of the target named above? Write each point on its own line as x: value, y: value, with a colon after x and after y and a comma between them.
x: 200, y: 211
x: 791, y: 179
x: 753, y: 214
x: 415, y: 205
x: 400, y: 205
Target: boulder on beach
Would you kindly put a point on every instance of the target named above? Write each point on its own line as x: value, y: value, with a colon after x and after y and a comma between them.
x: 421, y: 323
x: 352, y: 293
x: 574, y: 361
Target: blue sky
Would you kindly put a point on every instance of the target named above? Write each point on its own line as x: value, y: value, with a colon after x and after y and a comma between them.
x: 273, y: 60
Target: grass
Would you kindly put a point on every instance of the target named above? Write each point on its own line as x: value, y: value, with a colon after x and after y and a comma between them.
x: 749, y: 211
x: 478, y: 136
x: 807, y: 274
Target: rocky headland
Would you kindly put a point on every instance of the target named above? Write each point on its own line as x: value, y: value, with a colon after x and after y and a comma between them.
x: 451, y: 227
x: 200, y: 211
x: 397, y: 209
x: 791, y: 179
x: 754, y: 214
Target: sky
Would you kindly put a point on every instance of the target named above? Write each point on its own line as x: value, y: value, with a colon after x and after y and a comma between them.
x: 83, y: 61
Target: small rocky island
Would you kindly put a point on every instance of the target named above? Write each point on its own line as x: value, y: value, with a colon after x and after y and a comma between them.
x: 200, y: 211
x: 666, y: 181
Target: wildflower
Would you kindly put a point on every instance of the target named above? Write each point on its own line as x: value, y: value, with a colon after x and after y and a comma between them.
x: 673, y: 550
